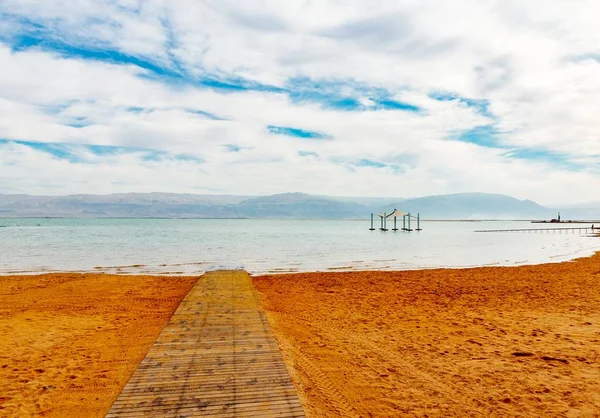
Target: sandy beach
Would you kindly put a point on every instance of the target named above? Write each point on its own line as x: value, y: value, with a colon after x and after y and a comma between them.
x: 69, y: 342
x: 522, y: 341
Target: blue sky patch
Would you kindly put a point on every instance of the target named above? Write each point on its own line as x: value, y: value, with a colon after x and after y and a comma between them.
x: 555, y: 159
x: 586, y: 57
x: 78, y: 123
x: 296, y: 133
x: 485, y: 136
x: 232, y: 148
x: 308, y: 154
x: 481, y: 106
x: 369, y: 163
x: 207, y: 115
x: 56, y: 108
x: 109, y: 149
x: 336, y: 95
x: 345, y: 103
x: 136, y: 109
x: 488, y: 136
x: 25, y: 42
x: 57, y: 150
x: 76, y: 153
x: 389, y: 104
x: 153, y: 156
x: 343, y: 95
x: 188, y: 158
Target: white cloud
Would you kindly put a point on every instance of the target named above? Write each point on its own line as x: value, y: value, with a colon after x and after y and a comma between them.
x: 534, y: 65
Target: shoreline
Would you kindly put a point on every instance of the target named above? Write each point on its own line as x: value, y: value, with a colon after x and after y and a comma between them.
x: 122, y: 270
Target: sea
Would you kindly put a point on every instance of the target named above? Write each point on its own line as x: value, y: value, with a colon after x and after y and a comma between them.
x: 194, y: 246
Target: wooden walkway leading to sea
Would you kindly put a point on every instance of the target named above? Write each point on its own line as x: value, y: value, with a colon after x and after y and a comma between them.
x: 216, y: 357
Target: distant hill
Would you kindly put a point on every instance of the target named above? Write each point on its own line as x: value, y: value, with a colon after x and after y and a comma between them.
x: 170, y: 205
x: 300, y: 205
x: 286, y: 205
x: 474, y: 206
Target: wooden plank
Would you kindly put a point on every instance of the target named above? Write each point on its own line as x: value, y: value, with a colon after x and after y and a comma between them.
x: 211, y: 404
x: 216, y: 357
x: 208, y: 384
x: 221, y: 398
x: 275, y: 377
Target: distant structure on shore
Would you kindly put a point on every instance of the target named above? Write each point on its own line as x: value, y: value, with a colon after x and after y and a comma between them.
x: 395, y: 214
x: 551, y: 221
x: 558, y: 220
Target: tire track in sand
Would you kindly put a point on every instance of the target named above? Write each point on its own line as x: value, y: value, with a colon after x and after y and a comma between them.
x: 418, y: 379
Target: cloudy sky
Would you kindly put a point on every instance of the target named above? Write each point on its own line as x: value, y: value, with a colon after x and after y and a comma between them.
x: 386, y: 98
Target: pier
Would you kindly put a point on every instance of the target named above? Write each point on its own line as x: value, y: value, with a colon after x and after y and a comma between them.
x: 581, y: 230
x: 216, y: 357
x: 406, y: 218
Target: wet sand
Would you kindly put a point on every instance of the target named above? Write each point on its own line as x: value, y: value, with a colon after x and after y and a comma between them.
x: 69, y: 342
x: 521, y: 341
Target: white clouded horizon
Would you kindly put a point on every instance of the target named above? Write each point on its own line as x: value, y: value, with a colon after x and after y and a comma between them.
x: 341, y: 98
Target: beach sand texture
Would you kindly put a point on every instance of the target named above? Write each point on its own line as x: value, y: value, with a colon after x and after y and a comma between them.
x: 521, y: 341
x: 69, y: 342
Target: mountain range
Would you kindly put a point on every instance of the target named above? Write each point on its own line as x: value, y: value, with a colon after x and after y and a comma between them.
x: 286, y: 205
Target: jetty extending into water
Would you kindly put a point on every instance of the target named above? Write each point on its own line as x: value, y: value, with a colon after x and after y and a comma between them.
x: 581, y: 230
x: 217, y: 357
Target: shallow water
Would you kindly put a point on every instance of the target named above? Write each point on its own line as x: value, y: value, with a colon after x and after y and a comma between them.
x: 193, y: 246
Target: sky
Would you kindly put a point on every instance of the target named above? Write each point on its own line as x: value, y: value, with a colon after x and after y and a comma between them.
x: 350, y: 98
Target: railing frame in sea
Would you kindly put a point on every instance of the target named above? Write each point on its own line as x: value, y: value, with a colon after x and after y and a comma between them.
x: 406, y: 217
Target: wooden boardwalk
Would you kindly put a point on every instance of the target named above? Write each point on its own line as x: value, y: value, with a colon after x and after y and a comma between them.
x: 216, y: 357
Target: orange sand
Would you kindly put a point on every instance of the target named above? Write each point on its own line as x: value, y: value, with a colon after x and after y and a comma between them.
x: 497, y: 342
x: 70, y: 342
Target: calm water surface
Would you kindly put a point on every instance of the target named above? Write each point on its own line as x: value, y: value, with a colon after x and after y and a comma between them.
x: 193, y: 246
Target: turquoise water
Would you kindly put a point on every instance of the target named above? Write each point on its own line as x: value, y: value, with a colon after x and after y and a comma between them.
x: 193, y: 246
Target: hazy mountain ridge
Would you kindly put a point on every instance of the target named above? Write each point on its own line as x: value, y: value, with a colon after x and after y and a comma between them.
x: 286, y: 205
x: 474, y: 206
